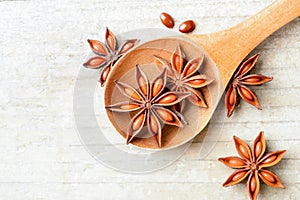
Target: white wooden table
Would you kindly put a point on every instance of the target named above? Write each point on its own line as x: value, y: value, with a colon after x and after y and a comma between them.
x: 43, y: 45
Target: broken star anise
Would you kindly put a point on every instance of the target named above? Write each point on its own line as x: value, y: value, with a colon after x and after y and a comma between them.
x: 184, y: 76
x: 151, y: 103
x: 107, y: 54
x: 238, y: 85
x: 252, y: 165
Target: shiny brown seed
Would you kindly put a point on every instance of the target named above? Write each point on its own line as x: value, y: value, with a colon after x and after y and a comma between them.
x: 105, y: 74
x: 248, y: 65
x: 244, y: 151
x: 253, y: 79
x: 138, y: 122
x: 246, y: 94
x: 233, y: 162
x: 153, y: 124
x: 258, y: 149
x: 143, y: 84
x: 268, y: 176
x: 270, y: 159
x: 167, y: 20
x: 253, y: 184
x: 231, y: 98
x: 168, y: 99
x: 95, y: 62
x: 197, y: 81
x: 190, y: 69
x: 236, y: 162
x: 238, y: 176
x: 187, y: 26
x: 97, y: 47
x: 157, y: 86
x: 165, y: 115
x: 197, y: 99
x: 128, y: 106
x: 132, y: 93
x: 177, y: 62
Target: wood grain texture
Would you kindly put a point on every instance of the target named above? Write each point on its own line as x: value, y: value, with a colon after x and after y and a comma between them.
x: 43, y: 45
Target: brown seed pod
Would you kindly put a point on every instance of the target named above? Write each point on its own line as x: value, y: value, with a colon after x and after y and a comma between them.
x: 167, y: 20
x: 187, y: 26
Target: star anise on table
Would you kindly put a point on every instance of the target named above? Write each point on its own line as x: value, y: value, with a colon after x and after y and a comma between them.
x: 238, y: 86
x: 107, y: 54
x: 184, y: 76
x: 252, y: 165
x: 151, y: 102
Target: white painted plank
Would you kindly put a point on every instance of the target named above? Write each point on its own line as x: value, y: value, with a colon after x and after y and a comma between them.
x: 42, y: 46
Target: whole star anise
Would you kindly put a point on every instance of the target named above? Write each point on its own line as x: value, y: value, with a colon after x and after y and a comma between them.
x: 252, y: 165
x: 107, y: 54
x: 184, y: 76
x: 151, y: 103
x: 239, y: 83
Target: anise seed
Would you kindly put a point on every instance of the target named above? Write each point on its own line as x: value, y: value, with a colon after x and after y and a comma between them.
x: 132, y: 93
x: 246, y: 94
x: 190, y: 69
x: 187, y: 26
x: 231, y: 98
x: 168, y: 99
x: 238, y: 176
x: 143, y: 84
x: 258, y: 148
x: 177, y: 62
x: 138, y: 122
x: 268, y: 176
x: 153, y: 124
x: 165, y: 115
x: 244, y: 151
x: 105, y: 74
x: 197, y: 81
x: 129, y: 106
x: 236, y: 162
x: 270, y: 159
x: 167, y: 20
x: 253, y: 79
x: 253, y: 184
x: 157, y: 87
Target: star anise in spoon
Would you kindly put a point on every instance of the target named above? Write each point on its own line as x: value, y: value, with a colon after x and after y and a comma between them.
x: 252, y: 165
x: 107, y: 54
x: 151, y: 103
x: 238, y: 85
x: 184, y: 76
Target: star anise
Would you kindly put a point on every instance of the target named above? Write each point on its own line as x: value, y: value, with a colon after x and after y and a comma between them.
x: 252, y: 165
x: 151, y: 103
x: 184, y: 76
x: 239, y: 83
x: 107, y: 54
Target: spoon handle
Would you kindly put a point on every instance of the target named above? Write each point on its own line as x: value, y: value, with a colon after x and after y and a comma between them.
x: 229, y: 47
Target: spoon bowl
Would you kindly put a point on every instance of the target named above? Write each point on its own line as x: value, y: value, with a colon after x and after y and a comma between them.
x: 197, y: 117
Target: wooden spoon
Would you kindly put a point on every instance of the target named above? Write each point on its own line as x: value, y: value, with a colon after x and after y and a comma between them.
x: 229, y: 47
x: 223, y: 51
